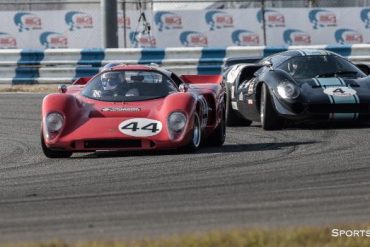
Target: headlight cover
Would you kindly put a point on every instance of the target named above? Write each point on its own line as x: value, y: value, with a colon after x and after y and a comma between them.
x: 288, y: 90
x: 176, y: 122
x: 54, y: 122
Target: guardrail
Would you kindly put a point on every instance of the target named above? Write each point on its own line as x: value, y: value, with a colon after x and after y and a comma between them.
x: 64, y: 65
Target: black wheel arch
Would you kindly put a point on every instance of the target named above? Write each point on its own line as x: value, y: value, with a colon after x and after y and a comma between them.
x: 271, y: 79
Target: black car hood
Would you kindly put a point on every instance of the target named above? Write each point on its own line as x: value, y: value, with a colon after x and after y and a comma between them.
x: 313, y: 90
x: 332, y: 81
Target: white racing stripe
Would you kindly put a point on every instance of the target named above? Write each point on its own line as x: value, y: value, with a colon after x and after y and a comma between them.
x: 339, y: 84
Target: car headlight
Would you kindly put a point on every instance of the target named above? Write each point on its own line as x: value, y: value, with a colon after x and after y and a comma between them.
x: 288, y: 90
x: 54, y: 122
x: 176, y: 122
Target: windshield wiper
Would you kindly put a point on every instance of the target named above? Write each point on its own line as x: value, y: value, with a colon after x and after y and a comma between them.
x: 336, y: 73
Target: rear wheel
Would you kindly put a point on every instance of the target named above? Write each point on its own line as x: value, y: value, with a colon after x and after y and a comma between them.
x: 232, y: 119
x: 219, y: 135
x: 194, y: 143
x: 270, y: 120
x: 53, y: 153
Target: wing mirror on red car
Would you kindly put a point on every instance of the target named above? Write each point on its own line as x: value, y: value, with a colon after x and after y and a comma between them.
x: 62, y: 88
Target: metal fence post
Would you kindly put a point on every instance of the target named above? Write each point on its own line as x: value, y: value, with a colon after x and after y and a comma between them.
x: 124, y: 24
x: 263, y: 22
x: 109, y: 23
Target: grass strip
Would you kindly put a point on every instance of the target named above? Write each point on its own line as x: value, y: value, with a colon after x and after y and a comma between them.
x: 294, y: 237
x: 29, y: 88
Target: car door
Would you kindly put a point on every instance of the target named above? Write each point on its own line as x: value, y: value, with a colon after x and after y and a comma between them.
x: 245, y: 93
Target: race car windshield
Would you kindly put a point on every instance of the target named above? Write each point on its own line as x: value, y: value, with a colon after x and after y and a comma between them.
x: 117, y: 86
x: 304, y: 67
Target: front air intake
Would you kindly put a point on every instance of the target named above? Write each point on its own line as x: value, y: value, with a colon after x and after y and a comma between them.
x: 339, y: 108
x: 112, y: 143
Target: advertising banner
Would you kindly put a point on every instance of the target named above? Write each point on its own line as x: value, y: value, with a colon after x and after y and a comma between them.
x: 317, y: 26
x: 210, y: 28
x: 49, y: 29
x: 187, y: 28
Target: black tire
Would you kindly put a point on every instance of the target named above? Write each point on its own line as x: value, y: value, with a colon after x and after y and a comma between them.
x: 219, y: 135
x: 270, y: 120
x: 195, y: 141
x: 53, y: 153
x: 232, y: 119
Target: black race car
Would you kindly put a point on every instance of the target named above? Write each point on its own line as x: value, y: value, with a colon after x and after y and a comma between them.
x: 299, y: 85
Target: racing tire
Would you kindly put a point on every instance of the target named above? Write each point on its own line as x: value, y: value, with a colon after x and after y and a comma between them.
x: 53, y: 154
x: 270, y: 120
x: 196, y: 136
x: 218, y: 137
x: 232, y: 119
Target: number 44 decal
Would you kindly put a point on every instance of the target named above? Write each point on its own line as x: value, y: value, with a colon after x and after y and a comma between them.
x: 140, y: 127
x: 133, y: 126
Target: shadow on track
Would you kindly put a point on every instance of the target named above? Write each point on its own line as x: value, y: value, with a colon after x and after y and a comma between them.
x: 314, y: 126
x: 326, y: 125
x: 227, y: 148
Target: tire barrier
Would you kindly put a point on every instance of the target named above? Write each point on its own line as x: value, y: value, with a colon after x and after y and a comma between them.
x: 52, y: 66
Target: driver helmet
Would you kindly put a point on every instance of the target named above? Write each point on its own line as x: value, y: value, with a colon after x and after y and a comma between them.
x: 111, y: 80
x: 293, y: 66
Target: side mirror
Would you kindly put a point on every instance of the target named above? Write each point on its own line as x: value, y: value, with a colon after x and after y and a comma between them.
x: 364, y: 68
x: 62, y: 88
x: 267, y: 63
x: 183, y: 87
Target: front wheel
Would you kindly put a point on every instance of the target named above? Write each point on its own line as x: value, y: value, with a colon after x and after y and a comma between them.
x: 194, y: 143
x: 53, y: 153
x: 270, y: 120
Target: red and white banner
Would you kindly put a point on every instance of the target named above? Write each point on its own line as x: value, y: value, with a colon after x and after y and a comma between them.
x: 188, y: 28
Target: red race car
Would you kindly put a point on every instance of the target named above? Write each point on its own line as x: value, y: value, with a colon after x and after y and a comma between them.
x: 134, y: 107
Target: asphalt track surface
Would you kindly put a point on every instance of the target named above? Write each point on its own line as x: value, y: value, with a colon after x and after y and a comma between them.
x: 302, y: 175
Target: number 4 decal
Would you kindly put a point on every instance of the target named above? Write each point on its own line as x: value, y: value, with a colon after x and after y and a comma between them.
x: 338, y: 90
x: 140, y: 127
x: 128, y: 126
x: 153, y: 128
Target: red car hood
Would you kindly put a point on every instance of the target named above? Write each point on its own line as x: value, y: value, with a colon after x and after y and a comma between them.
x: 123, y: 109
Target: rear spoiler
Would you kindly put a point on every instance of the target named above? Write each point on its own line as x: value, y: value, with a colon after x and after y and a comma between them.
x: 196, y: 79
x: 238, y: 60
x: 81, y: 81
